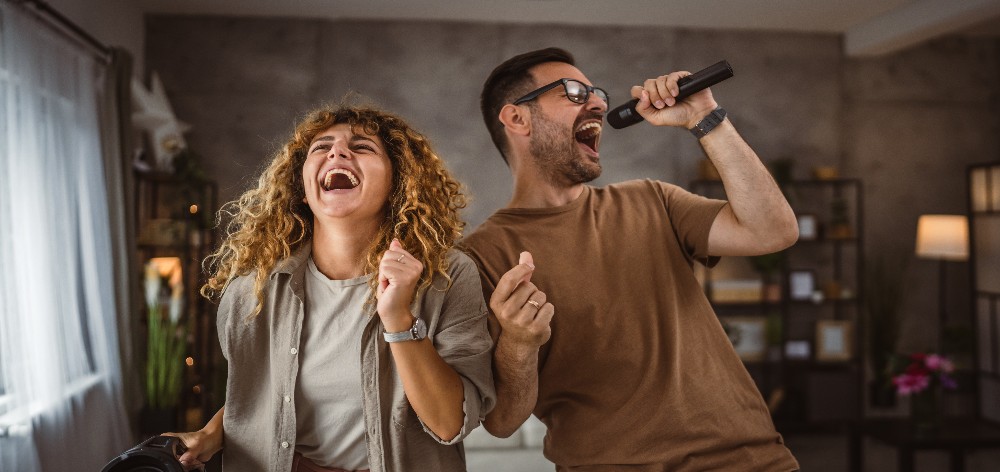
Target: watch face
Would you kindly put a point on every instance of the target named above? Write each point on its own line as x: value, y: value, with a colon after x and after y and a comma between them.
x: 419, y: 329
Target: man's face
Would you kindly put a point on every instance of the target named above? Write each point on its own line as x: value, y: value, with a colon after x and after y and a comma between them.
x: 565, y: 136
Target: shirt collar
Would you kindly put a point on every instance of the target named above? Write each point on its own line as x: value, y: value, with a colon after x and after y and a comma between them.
x: 294, y: 262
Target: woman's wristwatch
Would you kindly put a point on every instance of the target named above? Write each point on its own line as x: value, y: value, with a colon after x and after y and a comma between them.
x: 417, y: 332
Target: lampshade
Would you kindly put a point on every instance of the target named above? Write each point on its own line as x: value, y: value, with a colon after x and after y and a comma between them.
x: 943, y: 237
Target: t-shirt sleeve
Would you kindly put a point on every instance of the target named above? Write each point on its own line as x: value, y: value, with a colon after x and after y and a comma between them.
x: 691, y: 217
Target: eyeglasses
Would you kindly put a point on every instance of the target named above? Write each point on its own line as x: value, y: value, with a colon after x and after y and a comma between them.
x: 576, y: 92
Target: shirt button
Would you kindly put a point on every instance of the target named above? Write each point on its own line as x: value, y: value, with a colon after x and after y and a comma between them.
x: 284, y: 444
x: 293, y: 351
x: 287, y: 398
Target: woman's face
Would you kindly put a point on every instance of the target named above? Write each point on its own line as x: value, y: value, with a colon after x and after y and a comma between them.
x: 347, y: 175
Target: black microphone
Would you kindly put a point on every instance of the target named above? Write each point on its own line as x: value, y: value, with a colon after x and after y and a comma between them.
x: 625, y: 115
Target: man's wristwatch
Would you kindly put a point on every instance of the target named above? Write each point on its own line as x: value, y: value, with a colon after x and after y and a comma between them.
x: 709, y: 122
x: 415, y: 333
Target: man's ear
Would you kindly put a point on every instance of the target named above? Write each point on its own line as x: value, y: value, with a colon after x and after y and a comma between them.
x: 516, y: 119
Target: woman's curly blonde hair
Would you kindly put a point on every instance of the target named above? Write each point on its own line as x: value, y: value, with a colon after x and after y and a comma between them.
x: 270, y: 222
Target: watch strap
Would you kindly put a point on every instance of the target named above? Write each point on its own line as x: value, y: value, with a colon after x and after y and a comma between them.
x: 416, y: 332
x: 709, y: 122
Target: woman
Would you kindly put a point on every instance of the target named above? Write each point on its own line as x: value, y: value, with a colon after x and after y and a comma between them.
x: 355, y: 333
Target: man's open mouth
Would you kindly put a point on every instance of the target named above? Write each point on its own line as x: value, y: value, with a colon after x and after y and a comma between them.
x: 589, y: 134
x: 339, y: 179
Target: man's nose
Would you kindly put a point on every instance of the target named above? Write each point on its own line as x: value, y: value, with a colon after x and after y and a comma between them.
x: 597, y: 104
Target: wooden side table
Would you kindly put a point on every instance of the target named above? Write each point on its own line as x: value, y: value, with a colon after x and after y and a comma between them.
x: 955, y: 435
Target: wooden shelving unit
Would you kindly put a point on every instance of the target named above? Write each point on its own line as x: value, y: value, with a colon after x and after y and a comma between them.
x: 807, y: 390
x: 174, y: 218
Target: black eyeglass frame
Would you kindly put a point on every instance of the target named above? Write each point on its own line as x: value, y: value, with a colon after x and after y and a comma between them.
x: 586, y: 88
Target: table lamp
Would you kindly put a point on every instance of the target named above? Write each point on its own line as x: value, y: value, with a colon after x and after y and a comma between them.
x: 945, y: 238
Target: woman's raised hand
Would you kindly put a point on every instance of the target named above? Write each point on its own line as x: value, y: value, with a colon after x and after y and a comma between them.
x: 398, y: 273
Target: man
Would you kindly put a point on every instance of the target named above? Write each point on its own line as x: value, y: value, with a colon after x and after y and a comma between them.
x: 635, y: 371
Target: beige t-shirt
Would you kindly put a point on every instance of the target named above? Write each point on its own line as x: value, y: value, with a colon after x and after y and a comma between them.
x: 638, y: 370
x: 329, y: 422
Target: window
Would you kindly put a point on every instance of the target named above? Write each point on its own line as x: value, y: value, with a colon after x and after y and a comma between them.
x: 56, y: 287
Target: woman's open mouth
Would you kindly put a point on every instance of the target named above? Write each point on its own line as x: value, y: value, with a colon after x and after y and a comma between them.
x: 339, y: 179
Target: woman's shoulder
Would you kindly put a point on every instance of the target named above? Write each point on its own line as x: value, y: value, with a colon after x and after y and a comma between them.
x: 458, y: 257
x: 239, y: 285
x: 460, y: 268
x: 459, y: 263
x: 236, y: 292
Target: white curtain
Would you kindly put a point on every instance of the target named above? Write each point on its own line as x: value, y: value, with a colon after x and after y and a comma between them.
x: 60, y: 376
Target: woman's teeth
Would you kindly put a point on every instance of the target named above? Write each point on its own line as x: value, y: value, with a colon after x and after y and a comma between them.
x: 340, y: 179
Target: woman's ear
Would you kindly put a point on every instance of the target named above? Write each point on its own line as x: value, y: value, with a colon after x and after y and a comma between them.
x: 516, y: 119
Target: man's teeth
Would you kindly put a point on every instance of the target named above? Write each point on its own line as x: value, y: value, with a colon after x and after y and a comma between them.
x: 330, y: 175
x: 590, y: 129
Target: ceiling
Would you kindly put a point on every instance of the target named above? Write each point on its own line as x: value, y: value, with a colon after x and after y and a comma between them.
x: 870, y: 27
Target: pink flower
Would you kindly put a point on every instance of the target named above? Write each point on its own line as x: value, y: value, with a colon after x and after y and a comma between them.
x: 907, y: 384
x: 923, y: 370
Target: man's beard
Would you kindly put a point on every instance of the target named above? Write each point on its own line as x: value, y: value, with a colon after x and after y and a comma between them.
x: 557, y: 154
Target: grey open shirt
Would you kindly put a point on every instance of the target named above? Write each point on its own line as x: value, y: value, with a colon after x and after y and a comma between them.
x: 259, y: 419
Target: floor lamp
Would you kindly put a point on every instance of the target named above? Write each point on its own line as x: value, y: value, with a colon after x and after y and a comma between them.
x: 945, y: 238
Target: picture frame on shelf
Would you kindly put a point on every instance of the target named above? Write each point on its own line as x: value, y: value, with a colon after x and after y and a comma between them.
x: 808, y: 227
x: 798, y: 349
x: 834, y: 340
x: 163, y: 232
x: 801, y: 284
x: 748, y: 335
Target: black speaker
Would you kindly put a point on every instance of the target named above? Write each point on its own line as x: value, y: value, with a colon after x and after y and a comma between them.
x: 156, y: 454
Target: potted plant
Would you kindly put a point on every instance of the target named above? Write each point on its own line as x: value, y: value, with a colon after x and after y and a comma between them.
x: 165, y: 345
x: 922, y: 379
x: 769, y: 266
x: 882, y: 318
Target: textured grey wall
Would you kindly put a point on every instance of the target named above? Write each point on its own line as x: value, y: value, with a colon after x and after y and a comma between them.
x: 907, y: 124
x: 242, y: 82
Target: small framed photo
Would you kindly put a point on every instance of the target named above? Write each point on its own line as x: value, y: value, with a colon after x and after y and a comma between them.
x: 748, y: 335
x: 801, y: 284
x: 798, y: 349
x: 163, y: 232
x: 834, y: 340
x: 808, y: 230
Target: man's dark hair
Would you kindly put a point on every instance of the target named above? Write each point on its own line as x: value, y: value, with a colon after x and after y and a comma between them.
x: 508, y: 81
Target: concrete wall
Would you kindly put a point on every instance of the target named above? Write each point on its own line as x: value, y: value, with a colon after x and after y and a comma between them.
x: 907, y: 124
x: 115, y: 23
x: 912, y: 123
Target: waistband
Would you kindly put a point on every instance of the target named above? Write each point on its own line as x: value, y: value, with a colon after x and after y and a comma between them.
x: 301, y: 464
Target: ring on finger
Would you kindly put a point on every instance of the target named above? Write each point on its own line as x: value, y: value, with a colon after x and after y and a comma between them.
x: 534, y: 304
x: 400, y: 258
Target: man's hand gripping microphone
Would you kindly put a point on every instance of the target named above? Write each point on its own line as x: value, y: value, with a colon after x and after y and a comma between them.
x: 625, y: 115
